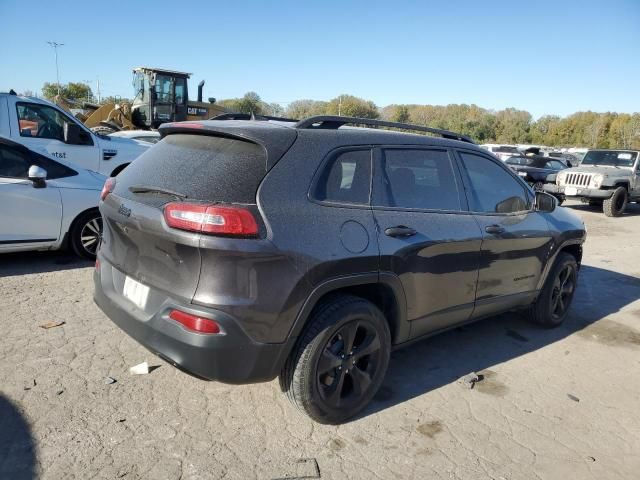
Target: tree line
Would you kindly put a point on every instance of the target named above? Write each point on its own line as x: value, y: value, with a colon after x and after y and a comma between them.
x: 512, y: 126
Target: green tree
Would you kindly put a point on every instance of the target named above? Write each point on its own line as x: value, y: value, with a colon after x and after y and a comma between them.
x: 71, y: 90
x: 350, y: 106
x: 401, y: 114
x: 512, y: 126
x: 249, y: 103
x: 305, y: 108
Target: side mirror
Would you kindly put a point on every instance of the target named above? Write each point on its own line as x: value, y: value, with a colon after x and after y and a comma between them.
x: 75, y: 135
x: 38, y: 176
x: 545, y: 202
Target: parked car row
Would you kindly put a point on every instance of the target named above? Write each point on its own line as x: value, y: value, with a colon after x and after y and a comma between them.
x: 47, y: 204
x: 206, y: 236
x: 52, y: 169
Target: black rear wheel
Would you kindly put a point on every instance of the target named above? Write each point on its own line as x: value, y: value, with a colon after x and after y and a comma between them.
x: 340, y: 360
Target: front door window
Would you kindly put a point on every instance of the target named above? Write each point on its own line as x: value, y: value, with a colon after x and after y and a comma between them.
x: 40, y: 121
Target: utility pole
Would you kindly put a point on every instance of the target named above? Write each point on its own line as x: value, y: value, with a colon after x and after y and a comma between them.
x: 88, y: 84
x: 340, y: 106
x: 98, y: 88
x: 55, y: 46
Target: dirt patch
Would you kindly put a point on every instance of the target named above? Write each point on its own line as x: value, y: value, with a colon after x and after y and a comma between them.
x: 430, y: 429
x: 336, y: 444
x: 611, y: 333
x: 360, y: 440
x: 490, y: 385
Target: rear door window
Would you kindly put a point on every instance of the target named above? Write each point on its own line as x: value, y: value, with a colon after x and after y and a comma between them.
x: 418, y: 178
x: 198, y: 167
x: 346, y: 178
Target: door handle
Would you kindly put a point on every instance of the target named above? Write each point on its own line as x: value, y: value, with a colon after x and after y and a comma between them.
x: 400, y: 231
x: 494, y: 229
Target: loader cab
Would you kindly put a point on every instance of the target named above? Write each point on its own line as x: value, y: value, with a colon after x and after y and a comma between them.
x: 160, y: 96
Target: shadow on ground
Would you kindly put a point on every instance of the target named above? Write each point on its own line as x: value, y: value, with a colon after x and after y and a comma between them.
x: 442, y: 359
x: 632, y: 210
x: 39, y: 262
x: 17, y: 448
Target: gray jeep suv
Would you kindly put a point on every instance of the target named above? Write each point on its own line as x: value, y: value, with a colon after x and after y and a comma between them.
x: 243, y: 250
x: 606, y: 178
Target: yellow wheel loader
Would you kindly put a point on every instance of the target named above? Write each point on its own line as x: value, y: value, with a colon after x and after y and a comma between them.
x: 161, y: 96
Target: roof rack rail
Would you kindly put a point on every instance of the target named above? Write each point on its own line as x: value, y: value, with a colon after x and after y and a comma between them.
x: 334, y: 122
x: 251, y: 116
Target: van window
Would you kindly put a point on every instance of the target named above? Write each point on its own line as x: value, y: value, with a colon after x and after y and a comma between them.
x: 40, y: 121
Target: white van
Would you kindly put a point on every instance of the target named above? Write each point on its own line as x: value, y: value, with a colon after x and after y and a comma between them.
x: 44, y: 127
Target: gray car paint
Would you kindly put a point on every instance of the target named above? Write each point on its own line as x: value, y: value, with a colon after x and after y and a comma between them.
x: 268, y: 286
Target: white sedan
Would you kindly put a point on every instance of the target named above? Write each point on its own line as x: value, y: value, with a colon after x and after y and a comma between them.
x: 47, y: 204
x: 149, y: 136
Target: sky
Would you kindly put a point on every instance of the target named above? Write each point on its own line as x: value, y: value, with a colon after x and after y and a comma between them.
x: 547, y: 57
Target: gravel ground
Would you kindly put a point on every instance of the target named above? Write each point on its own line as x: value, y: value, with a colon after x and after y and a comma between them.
x: 553, y: 404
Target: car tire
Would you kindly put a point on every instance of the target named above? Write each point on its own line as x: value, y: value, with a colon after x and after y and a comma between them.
x: 86, y: 233
x: 552, y: 306
x: 615, y: 205
x: 320, y: 378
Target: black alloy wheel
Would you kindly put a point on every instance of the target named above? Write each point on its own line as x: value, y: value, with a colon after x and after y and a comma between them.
x: 564, y: 287
x: 348, y: 363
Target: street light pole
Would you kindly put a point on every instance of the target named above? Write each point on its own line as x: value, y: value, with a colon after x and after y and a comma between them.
x: 55, y: 46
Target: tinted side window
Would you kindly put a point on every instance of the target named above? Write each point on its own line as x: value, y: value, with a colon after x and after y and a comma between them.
x: 346, y: 178
x: 492, y: 189
x: 53, y: 168
x: 13, y: 163
x: 414, y: 178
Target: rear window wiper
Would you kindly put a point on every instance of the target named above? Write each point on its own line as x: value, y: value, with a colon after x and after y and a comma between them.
x: 147, y: 189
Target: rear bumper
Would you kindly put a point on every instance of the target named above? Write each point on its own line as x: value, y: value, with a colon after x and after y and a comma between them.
x: 230, y: 357
x: 580, y: 192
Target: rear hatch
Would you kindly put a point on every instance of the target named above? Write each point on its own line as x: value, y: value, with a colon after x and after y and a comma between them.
x: 183, y: 168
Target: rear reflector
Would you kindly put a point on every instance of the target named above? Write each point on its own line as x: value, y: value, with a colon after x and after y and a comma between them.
x: 108, y: 187
x: 97, y: 264
x: 197, y: 217
x: 195, y: 323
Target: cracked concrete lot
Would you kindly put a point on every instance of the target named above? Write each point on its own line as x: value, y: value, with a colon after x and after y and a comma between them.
x: 551, y: 404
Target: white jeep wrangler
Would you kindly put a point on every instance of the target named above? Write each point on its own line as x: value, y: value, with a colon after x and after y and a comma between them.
x: 610, y: 178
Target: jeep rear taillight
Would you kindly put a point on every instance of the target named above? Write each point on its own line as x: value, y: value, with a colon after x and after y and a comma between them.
x: 213, y: 219
x: 109, y: 185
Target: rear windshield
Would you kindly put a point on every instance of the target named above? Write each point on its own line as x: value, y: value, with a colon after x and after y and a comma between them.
x: 505, y: 149
x: 197, y: 167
